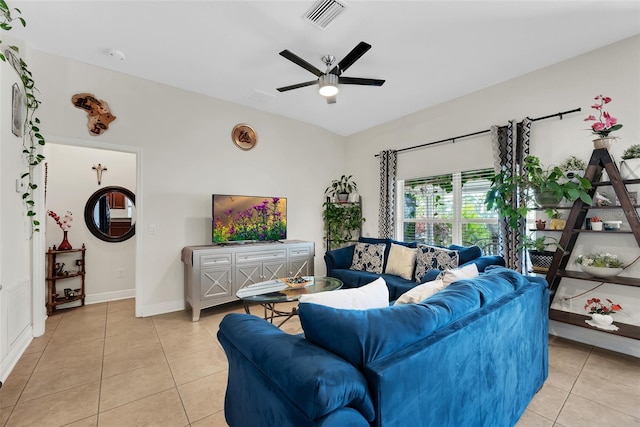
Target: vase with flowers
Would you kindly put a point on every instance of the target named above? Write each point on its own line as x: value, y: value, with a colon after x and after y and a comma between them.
x: 600, y: 264
x: 601, y: 312
x: 604, y: 124
x: 596, y: 223
x: 64, y: 222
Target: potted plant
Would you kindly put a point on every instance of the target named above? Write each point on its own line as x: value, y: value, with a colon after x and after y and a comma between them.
x: 557, y: 223
x: 340, y: 189
x: 596, y: 223
x: 600, y: 312
x: 536, y: 184
x: 604, y: 123
x: 540, y: 257
x: 630, y: 164
x: 573, y: 166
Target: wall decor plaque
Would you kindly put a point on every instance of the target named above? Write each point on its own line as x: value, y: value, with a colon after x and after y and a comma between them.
x: 97, y: 110
x: 244, y: 136
x: 17, y: 110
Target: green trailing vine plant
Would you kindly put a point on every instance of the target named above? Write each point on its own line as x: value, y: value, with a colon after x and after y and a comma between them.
x: 533, y: 178
x: 31, y: 136
x: 340, y: 221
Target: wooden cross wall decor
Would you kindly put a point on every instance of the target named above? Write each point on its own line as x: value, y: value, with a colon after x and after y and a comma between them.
x: 99, y: 169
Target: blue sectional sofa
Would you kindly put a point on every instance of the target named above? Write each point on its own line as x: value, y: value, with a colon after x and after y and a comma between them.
x: 338, y: 264
x: 473, y: 354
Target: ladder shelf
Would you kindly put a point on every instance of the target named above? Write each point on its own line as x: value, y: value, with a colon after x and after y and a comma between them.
x: 600, y: 160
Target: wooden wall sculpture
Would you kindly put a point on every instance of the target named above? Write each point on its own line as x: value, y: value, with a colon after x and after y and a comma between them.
x: 97, y: 110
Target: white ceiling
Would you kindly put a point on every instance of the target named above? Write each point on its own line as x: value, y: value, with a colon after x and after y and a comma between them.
x: 428, y: 51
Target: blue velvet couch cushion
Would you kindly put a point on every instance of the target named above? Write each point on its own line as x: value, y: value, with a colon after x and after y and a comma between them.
x: 315, y: 381
x: 361, y: 336
x: 466, y: 253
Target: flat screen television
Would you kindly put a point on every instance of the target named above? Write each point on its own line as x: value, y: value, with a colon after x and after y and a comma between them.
x: 248, y: 218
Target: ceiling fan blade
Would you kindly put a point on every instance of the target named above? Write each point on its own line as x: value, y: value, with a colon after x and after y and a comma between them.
x: 297, y: 86
x: 360, y: 81
x: 301, y: 62
x: 331, y: 99
x: 351, y: 57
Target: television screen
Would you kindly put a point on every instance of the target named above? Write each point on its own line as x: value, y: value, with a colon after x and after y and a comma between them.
x: 248, y: 218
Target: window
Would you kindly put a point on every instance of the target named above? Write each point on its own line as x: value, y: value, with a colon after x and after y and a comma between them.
x: 448, y: 209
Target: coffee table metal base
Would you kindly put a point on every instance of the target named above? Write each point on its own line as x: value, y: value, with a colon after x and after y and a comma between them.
x: 270, y: 312
x: 271, y: 292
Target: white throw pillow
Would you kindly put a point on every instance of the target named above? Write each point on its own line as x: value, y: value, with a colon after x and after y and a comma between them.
x: 401, y: 261
x: 371, y: 295
x: 467, y: 272
x: 421, y: 292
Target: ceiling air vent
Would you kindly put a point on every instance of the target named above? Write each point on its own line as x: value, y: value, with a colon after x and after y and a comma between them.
x: 323, y: 12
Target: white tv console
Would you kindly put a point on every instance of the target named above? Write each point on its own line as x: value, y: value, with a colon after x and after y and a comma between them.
x: 214, y: 273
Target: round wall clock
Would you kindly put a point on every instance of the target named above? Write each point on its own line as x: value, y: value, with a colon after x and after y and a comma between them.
x: 244, y: 136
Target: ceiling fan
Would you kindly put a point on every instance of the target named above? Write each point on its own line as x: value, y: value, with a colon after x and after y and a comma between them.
x: 328, y: 81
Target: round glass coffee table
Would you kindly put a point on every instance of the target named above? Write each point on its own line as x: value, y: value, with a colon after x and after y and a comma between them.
x: 271, y: 292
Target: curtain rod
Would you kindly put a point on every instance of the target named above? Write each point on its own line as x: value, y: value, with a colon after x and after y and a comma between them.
x: 453, y: 139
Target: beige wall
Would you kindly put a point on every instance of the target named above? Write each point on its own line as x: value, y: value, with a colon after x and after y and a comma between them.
x: 563, y: 86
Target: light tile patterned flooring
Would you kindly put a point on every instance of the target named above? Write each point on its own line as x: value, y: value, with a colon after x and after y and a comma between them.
x: 101, y: 366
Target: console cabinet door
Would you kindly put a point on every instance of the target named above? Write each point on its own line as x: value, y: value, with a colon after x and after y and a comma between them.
x: 300, y: 267
x: 274, y: 270
x: 248, y: 274
x: 216, y: 283
x: 300, y: 261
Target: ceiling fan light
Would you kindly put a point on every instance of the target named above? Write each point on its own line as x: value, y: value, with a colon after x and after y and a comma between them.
x: 328, y: 85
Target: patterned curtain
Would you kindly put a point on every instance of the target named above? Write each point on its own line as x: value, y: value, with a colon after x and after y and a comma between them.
x: 386, y: 216
x: 510, y: 146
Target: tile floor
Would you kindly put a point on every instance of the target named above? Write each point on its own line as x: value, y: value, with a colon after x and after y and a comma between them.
x: 101, y: 366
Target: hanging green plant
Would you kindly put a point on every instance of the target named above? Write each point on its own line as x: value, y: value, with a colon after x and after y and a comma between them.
x: 341, y: 221
x: 534, y: 180
x: 31, y: 136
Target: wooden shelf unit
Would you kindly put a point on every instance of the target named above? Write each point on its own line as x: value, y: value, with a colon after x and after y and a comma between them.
x: 52, y: 278
x: 327, y: 236
x: 600, y: 160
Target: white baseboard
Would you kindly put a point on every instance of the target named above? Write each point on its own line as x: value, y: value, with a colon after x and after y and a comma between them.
x: 17, y: 349
x: 595, y: 338
x: 165, y: 307
x: 110, y: 296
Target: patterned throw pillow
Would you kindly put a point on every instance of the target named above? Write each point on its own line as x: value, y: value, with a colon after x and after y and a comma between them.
x: 368, y: 257
x: 434, y: 257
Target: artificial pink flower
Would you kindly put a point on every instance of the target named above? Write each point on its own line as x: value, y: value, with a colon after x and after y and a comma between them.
x: 63, y: 222
x: 608, y: 120
x: 604, y: 124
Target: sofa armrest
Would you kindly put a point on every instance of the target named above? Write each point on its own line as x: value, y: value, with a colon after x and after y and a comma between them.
x: 314, y: 380
x: 339, y: 258
x: 484, y: 261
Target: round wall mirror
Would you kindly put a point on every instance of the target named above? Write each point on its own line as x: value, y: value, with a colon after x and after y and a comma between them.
x: 110, y: 214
